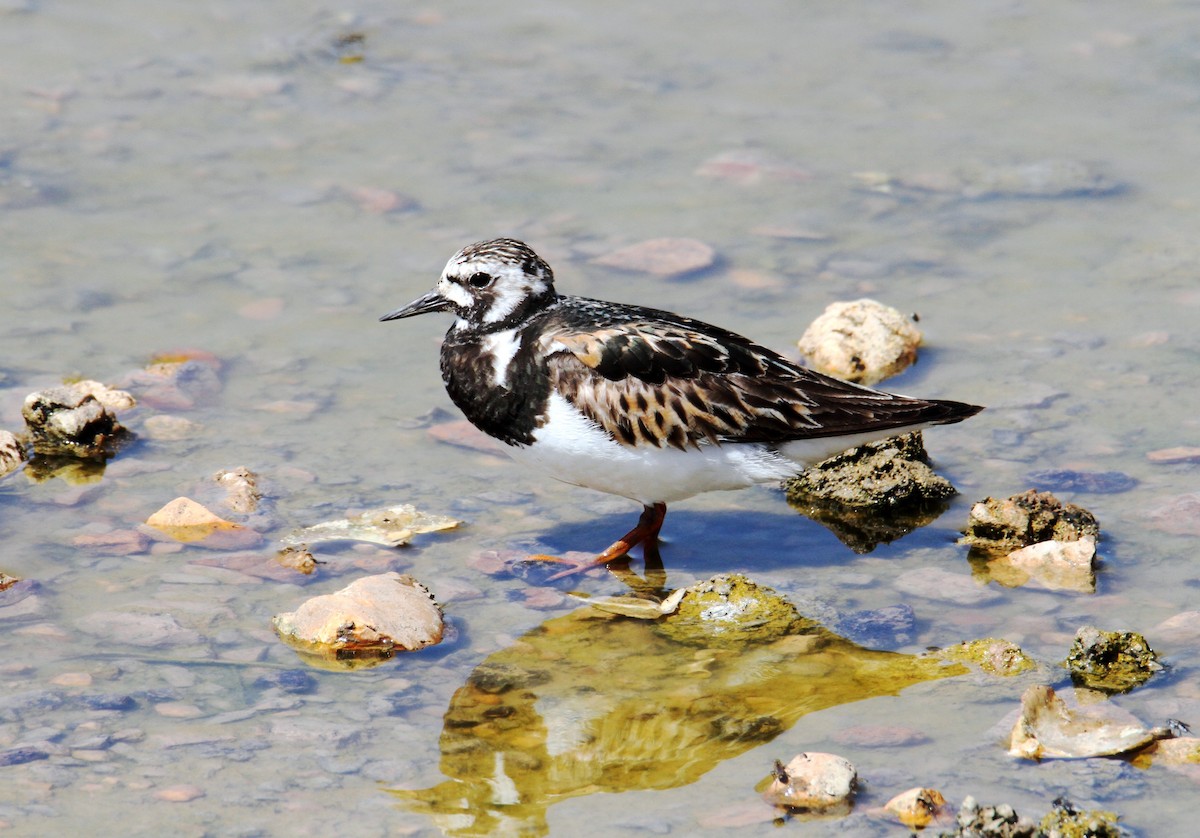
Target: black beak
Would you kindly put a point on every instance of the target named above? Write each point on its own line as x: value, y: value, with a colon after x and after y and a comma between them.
x: 433, y: 301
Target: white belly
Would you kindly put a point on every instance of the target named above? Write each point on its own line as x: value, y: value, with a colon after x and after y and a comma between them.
x: 573, y: 449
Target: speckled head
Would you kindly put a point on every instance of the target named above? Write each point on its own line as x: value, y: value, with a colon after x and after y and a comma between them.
x: 489, y: 285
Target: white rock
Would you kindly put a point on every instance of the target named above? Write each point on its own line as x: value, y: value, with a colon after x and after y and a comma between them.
x: 862, y: 341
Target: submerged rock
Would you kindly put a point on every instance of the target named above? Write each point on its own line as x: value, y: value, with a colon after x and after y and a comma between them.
x: 391, y: 526
x: 1002, y: 526
x: 64, y: 421
x: 661, y: 257
x: 814, y: 781
x: 730, y: 610
x: 370, y: 619
x: 1047, y: 727
x: 992, y: 655
x: 862, y: 341
x: 1055, y: 565
x: 1111, y: 661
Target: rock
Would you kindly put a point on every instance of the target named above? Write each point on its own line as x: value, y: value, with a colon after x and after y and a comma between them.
x: 297, y: 558
x: 1178, y: 454
x: 178, y: 381
x: 1181, y: 752
x: 1045, y: 179
x: 975, y: 821
x: 377, y: 200
x: 730, y: 611
x: 65, y: 422
x: 184, y: 793
x: 1047, y: 727
x: 881, y: 628
x: 747, y: 166
x: 7, y: 581
x: 1097, y: 482
x: 862, y: 341
x: 661, y: 257
x: 992, y: 655
x: 878, y: 476
x: 1179, y: 515
x: 1181, y: 629
x: 1055, y: 565
x: 191, y: 523
x: 813, y: 781
x: 463, y: 434
x: 115, y: 543
x: 124, y: 628
x: 166, y: 428
x: 241, y: 487
x: 917, y: 807
x: 245, y: 87
x: 112, y: 399
x: 637, y: 607
x: 1066, y: 821
x: 1002, y: 526
x: 391, y: 526
x: 370, y: 619
x: 1111, y: 661
x: 944, y: 585
x: 12, y: 453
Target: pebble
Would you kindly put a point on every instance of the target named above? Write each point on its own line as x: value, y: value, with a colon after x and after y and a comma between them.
x: 268, y: 308
x: 180, y: 794
x: 748, y: 166
x: 943, y: 585
x: 244, y: 87
x: 166, y: 428
x: 115, y: 543
x: 879, y: 736
x: 1178, y: 515
x: 126, y: 628
x: 1067, y: 480
x: 465, y: 435
x: 177, y: 710
x: 1178, y: 454
x: 378, y: 201
x: 661, y: 257
x: 72, y: 679
x: 1183, y: 629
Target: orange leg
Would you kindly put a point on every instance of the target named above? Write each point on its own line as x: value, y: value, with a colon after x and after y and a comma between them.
x: 646, y: 532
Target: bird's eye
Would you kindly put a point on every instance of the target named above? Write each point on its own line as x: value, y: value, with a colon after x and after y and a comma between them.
x: 480, y: 280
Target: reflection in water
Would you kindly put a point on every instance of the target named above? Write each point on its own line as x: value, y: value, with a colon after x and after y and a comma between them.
x: 594, y: 702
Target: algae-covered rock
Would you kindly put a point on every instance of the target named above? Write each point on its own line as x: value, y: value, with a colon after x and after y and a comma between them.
x: 874, y: 493
x: 1111, y: 661
x: 730, y: 610
x: 992, y: 655
x: 887, y: 474
x: 1066, y: 821
x: 1002, y: 526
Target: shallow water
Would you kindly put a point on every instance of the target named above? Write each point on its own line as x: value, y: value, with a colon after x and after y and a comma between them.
x: 199, y: 176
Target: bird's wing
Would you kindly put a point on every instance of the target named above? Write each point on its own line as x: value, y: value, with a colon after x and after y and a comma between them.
x: 680, y: 382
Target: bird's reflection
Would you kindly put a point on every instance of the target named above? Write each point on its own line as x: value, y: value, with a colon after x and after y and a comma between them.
x: 592, y: 702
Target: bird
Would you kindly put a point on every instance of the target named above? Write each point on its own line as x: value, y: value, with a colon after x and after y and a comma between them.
x: 639, y: 402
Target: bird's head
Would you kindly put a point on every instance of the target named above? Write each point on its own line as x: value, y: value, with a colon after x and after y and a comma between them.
x: 490, y: 286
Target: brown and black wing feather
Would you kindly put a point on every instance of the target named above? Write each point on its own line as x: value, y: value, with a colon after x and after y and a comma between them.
x: 651, y: 377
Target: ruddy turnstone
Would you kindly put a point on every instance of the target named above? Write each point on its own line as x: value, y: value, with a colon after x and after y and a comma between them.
x: 637, y: 402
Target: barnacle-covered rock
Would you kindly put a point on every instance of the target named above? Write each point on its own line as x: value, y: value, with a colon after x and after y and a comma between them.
x: 1002, y: 526
x: 730, y: 610
x: 992, y: 655
x: 1111, y: 661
